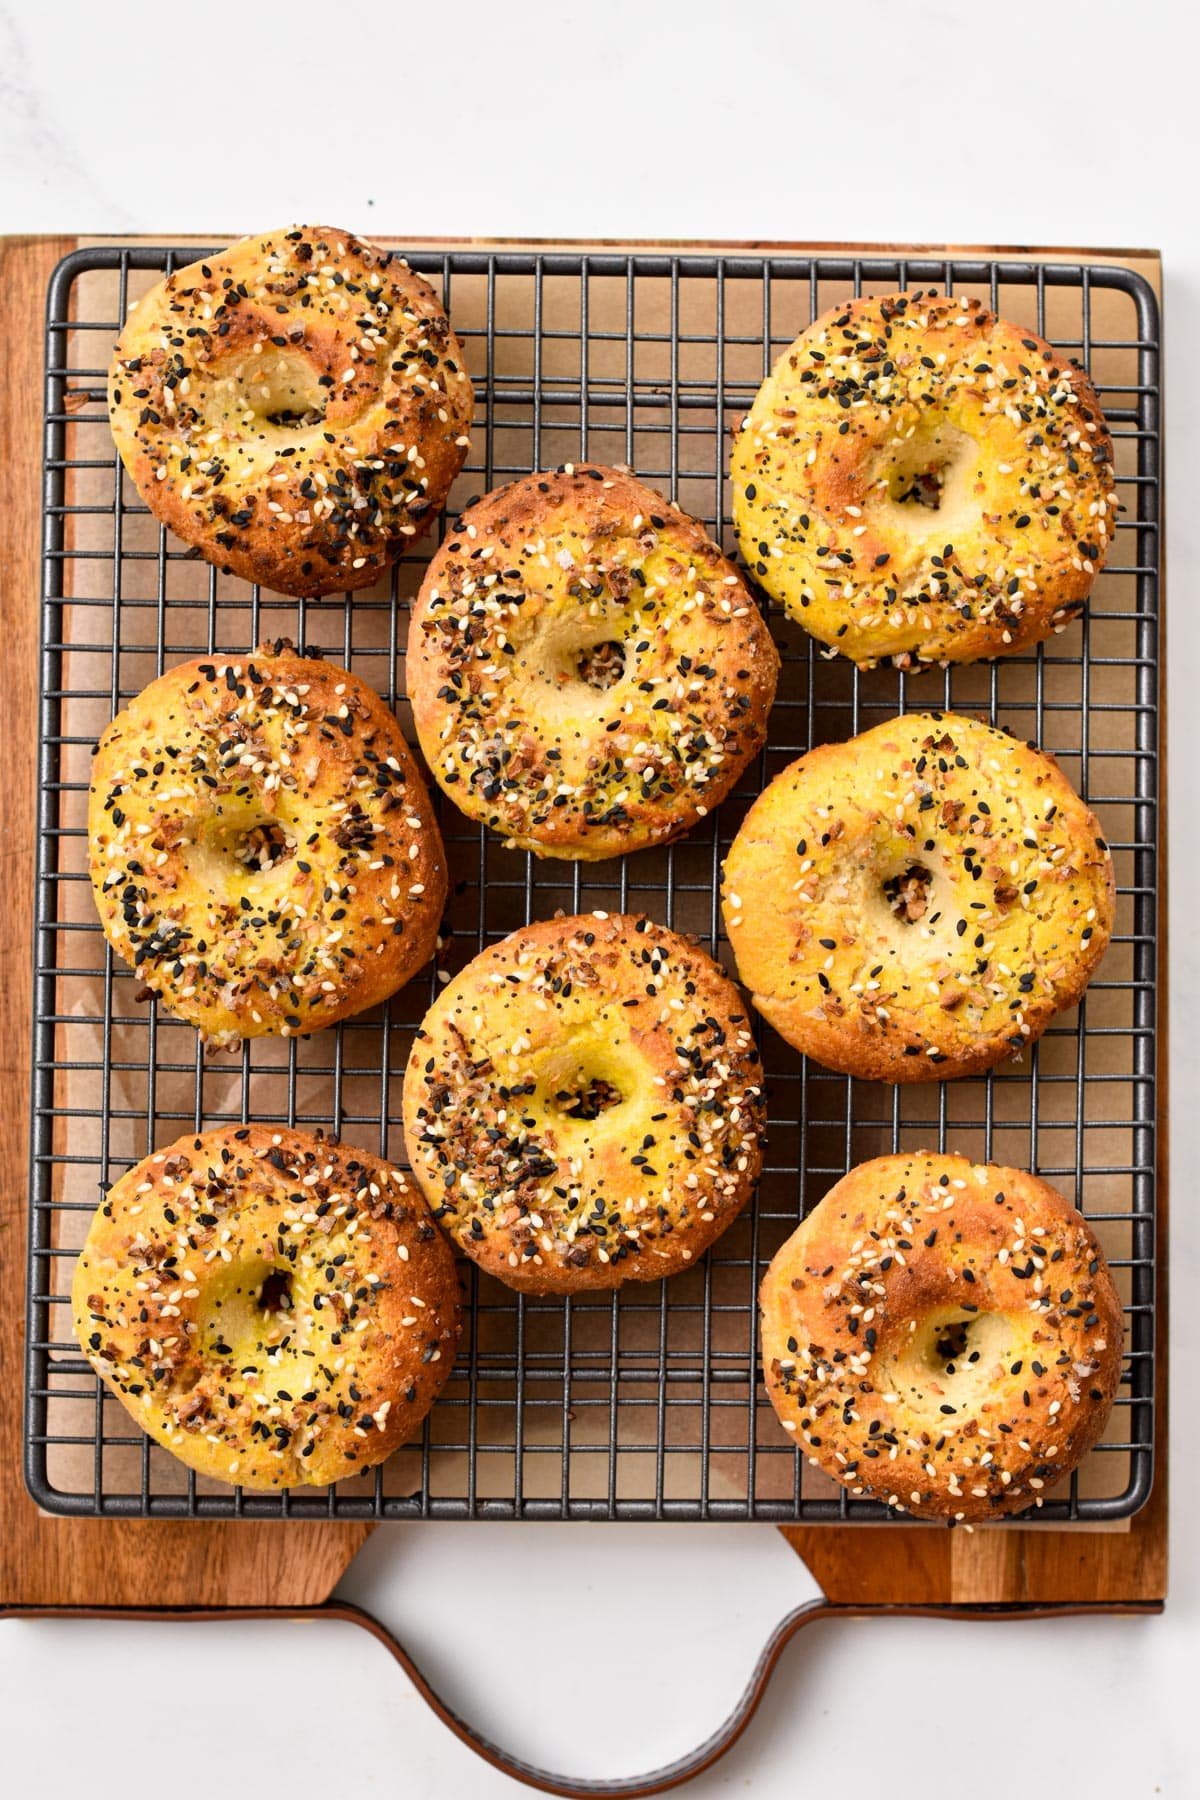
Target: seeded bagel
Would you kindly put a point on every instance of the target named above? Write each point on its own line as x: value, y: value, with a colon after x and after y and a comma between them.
x: 274, y: 1308
x: 583, y: 1105
x: 921, y: 481
x: 262, y: 847
x: 295, y: 407
x: 943, y: 1336
x: 918, y: 902
x: 588, y: 673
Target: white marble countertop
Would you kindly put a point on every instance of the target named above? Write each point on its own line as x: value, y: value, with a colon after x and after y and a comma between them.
x: 931, y: 122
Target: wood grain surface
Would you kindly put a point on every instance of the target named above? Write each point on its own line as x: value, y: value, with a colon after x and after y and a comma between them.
x: 88, y: 1563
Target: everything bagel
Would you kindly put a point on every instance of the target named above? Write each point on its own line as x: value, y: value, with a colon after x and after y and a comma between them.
x: 295, y: 407
x: 942, y: 1336
x: 583, y: 1105
x: 588, y: 673
x: 917, y: 903
x: 262, y: 847
x: 923, y: 482
x: 274, y: 1308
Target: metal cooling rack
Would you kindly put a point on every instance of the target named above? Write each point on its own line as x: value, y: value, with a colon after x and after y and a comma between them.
x: 648, y: 1404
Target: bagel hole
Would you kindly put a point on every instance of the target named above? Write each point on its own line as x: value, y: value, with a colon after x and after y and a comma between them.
x: 282, y: 389
x: 928, y: 471
x: 952, y: 1345
x: 907, y: 893
x: 263, y: 847
x: 964, y: 1346
x: 275, y: 1294
x: 600, y: 666
x: 290, y: 418
x: 917, y: 487
x: 587, y: 1097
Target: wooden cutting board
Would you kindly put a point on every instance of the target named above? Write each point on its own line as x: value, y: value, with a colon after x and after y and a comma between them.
x: 285, y: 1566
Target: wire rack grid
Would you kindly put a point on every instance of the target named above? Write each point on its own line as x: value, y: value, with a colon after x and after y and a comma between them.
x: 647, y: 1404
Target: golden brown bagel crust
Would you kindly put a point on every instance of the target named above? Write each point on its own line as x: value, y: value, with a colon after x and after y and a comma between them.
x: 171, y: 1310
x: 296, y: 407
x: 886, y: 404
x: 583, y: 1105
x: 561, y: 566
x: 943, y: 1336
x: 262, y: 847
x: 1000, y: 871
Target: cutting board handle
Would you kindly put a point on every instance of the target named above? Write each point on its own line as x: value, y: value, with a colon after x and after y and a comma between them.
x: 627, y: 1787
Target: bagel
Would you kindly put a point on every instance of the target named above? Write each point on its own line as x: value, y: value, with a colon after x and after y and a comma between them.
x: 296, y: 408
x: 919, y: 902
x: 262, y: 847
x: 274, y: 1308
x: 943, y: 1336
x: 923, y: 482
x: 583, y: 1105
x: 588, y: 674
